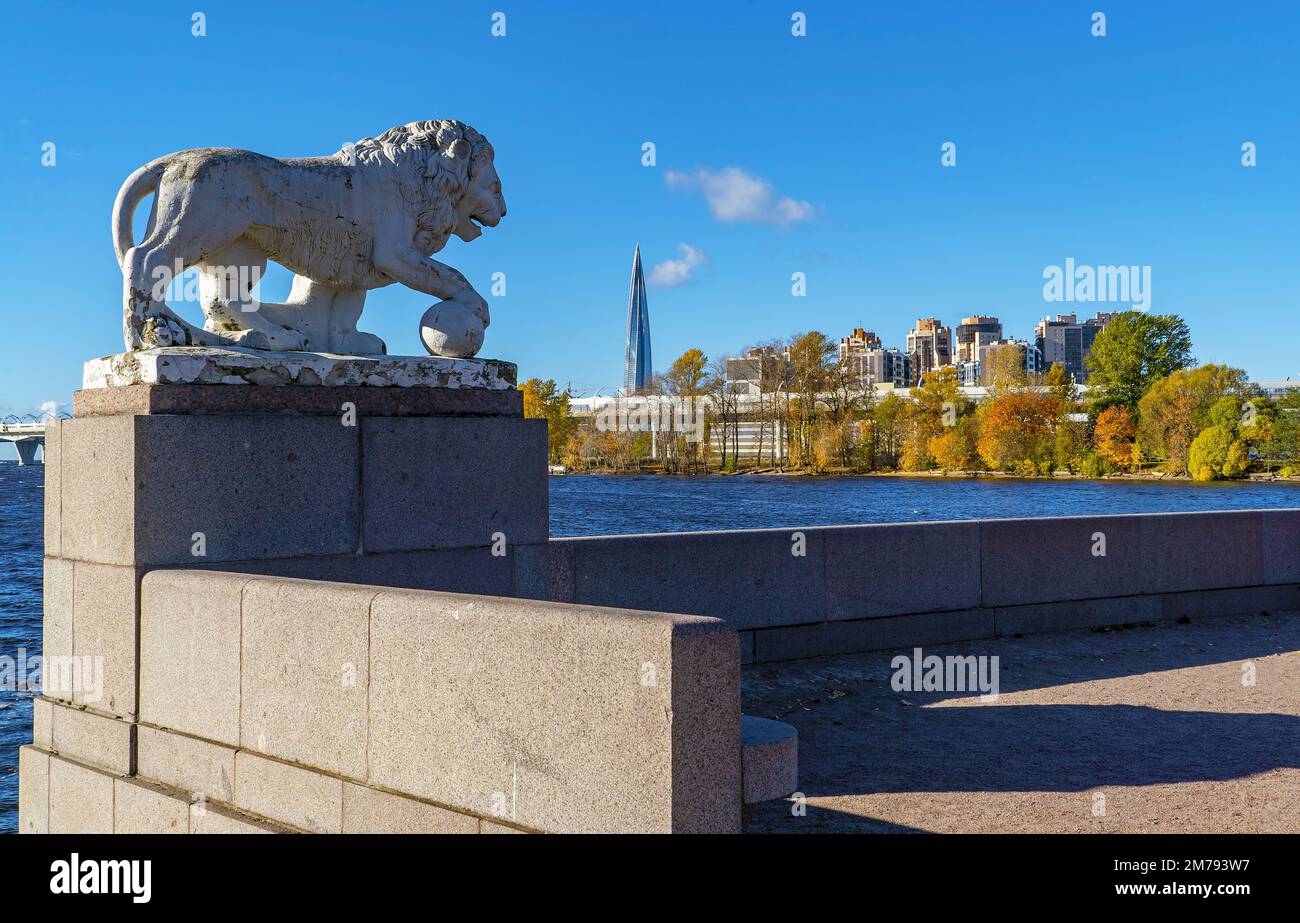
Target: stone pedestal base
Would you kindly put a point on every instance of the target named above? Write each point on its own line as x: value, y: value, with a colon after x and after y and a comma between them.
x: 240, y: 637
x: 294, y: 483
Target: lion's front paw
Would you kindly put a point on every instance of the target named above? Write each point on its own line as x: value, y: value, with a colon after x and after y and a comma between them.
x: 479, y: 304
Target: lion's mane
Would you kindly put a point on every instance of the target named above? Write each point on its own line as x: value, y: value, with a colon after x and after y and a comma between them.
x: 434, y: 160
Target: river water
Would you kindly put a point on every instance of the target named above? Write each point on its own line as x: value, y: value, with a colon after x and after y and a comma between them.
x: 621, y: 504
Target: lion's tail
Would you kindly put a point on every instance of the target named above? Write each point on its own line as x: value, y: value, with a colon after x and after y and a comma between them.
x: 138, y: 185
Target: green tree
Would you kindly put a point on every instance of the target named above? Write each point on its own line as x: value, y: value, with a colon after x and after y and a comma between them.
x: 887, y: 426
x: 1133, y: 350
x: 1283, y: 443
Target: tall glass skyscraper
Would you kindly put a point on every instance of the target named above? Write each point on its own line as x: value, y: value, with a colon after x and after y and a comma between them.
x: 637, y: 367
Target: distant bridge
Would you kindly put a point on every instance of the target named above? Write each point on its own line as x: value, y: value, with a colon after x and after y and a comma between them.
x: 26, y: 433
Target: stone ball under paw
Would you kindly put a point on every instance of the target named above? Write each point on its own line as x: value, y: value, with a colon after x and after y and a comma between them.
x: 451, y: 329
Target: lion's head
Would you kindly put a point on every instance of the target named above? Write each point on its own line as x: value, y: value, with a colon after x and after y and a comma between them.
x: 447, y: 176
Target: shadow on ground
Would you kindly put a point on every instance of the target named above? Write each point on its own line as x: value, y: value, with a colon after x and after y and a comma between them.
x: 1079, y: 711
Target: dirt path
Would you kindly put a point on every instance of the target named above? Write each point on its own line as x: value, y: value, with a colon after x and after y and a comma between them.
x: 1144, y: 730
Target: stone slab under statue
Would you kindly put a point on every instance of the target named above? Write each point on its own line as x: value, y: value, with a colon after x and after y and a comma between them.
x: 208, y: 365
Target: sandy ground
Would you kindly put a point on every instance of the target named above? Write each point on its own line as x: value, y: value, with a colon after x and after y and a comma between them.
x: 1156, y: 721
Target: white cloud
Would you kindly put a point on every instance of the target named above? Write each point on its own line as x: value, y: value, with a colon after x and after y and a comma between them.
x: 734, y: 195
x: 50, y: 408
x: 672, y: 273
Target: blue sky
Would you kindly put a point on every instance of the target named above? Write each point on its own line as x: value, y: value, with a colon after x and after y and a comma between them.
x: 817, y: 154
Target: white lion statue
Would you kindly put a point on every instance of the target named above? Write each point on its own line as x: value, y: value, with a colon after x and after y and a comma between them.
x: 367, y: 217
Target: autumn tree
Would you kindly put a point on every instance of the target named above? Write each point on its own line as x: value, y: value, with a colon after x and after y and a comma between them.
x: 1061, y: 383
x: 1017, y: 432
x: 937, y: 404
x: 543, y: 400
x: 1176, y: 408
x: 1003, y: 368
x: 957, y: 447
x: 686, y: 382
x: 1115, y: 436
x: 810, y: 361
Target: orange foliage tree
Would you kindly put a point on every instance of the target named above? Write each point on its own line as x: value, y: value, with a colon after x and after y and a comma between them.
x: 1116, y: 437
x: 1017, y: 431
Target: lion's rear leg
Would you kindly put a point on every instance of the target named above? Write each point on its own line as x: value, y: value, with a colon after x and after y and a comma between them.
x: 227, y: 280
x: 149, y: 268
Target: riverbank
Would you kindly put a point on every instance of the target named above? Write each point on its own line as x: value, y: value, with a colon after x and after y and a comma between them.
x: 1142, y: 476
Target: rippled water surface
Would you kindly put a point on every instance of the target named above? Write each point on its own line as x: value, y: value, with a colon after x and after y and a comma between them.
x: 614, y: 504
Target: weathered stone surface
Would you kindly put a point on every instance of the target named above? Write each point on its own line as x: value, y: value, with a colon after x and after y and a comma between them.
x: 190, y: 652
x: 558, y: 718
x: 1196, y: 551
x: 53, y: 490
x: 367, y: 810
x: 1046, y: 560
x: 81, y: 798
x: 208, y: 365
x: 99, y: 494
x: 254, y: 486
x: 56, y: 622
x: 104, y: 741
x: 1281, y: 543
x: 769, y: 759
x: 155, y: 490
x: 185, y: 763
x: 139, y: 807
x: 43, y: 723
x: 880, y: 569
x: 751, y: 579
x: 304, y: 675
x: 1072, y: 614
x: 453, y: 570
x: 33, y: 790
x: 289, y: 794
x: 795, y: 642
x: 104, y: 629
x: 211, y: 818
x: 706, y: 771
x: 302, y: 399
x: 450, y: 482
